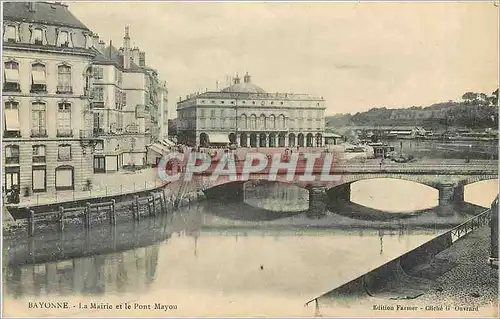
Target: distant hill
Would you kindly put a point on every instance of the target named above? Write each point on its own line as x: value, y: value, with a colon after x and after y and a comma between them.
x: 476, y: 111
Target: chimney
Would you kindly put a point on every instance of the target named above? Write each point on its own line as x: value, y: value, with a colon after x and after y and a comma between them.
x: 135, y: 55
x: 142, y: 59
x: 32, y: 6
x: 126, y: 49
x: 246, y: 78
x: 95, y: 41
x: 102, y: 47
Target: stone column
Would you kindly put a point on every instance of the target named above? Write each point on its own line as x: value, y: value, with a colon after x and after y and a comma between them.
x: 317, y: 201
x: 286, y: 140
x: 197, y: 138
x: 450, y: 195
x: 238, y: 139
x: 248, y: 140
x: 51, y: 277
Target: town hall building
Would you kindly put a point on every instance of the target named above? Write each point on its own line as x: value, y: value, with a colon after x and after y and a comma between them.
x: 245, y: 115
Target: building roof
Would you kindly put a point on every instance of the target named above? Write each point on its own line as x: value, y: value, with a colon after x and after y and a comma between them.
x: 246, y: 87
x: 112, y: 55
x: 43, y: 13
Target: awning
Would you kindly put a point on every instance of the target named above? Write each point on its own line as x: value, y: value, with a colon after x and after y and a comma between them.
x: 38, y: 77
x: 167, y: 142
x: 12, y: 120
x: 159, y: 148
x: 11, y: 75
x: 218, y: 139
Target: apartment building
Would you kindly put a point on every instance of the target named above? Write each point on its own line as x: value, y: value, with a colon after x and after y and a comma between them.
x: 47, y: 59
x: 128, y: 100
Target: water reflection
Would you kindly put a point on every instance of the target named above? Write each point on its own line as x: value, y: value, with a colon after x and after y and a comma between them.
x: 276, y: 196
x: 198, y: 251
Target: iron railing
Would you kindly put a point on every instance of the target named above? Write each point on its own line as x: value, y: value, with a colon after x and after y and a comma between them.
x: 470, y: 225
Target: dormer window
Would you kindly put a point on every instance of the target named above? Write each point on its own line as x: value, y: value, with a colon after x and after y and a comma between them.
x: 37, y: 36
x: 10, y: 34
x: 63, y: 39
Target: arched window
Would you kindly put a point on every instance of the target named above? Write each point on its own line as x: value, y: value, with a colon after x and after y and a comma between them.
x: 253, y: 121
x: 38, y: 78
x: 281, y: 121
x: 11, y: 76
x: 272, y: 122
x: 262, y: 122
x: 243, y: 121
x: 64, y: 79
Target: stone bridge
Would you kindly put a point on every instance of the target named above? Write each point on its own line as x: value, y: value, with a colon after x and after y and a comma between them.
x: 448, y: 179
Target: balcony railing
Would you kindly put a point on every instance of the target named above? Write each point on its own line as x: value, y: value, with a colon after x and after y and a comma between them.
x: 39, y: 132
x: 64, y: 132
x: 38, y: 88
x: 12, y: 160
x: 97, y: 104
x: 39, y: 159
x: 64, y: 89
x: 11, y: 134
x: 11, y: 87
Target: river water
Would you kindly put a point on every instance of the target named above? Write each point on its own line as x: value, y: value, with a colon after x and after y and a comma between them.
x: 224, y: 260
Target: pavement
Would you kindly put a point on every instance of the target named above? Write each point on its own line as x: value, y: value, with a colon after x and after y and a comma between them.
x: 122, y: 182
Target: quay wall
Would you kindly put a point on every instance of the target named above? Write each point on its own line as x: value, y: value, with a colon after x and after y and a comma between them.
x: 393, y: 271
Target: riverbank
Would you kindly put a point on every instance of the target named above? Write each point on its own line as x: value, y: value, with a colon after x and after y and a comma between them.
x: 458, y: 276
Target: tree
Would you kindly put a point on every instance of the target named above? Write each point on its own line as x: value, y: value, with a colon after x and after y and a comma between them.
x: 494, y: 98
x: 470, y: 97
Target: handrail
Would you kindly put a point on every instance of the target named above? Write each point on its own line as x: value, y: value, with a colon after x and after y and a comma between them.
x: 469, y: 225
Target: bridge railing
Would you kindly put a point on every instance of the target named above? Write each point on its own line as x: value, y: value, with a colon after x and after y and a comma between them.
x: 470, y: 225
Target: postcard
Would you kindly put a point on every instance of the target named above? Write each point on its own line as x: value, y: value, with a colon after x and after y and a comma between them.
x: 244, y: 159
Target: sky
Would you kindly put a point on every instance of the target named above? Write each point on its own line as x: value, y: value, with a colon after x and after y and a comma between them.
x: 356, y: 55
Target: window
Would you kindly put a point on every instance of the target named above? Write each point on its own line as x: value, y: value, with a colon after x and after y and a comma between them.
x: 64, y: 152
x: 202, y: 113
x: 37, y: 36
x: 64, y: 120
x: 98, y: 97
x: 64, y: 79
x: 281, y: 121
x: 98, y: 123
x: 124, y: 99
x: 11, y: 177
x: 63, y: 38
x: 253, y: 121
x: 38, y: 119
x: 272, y: 122
x: 98, y: 72
x: 64, y: 178
x: 99, y: 164
x: 118, y: 99
x: 11, y: 117
x: 38, y: 153
x: 243, y: 122
x: 221, y: 102
x: 10, y: 33
x: 38, y: 75
x: 212, y: 113
x: 39, y: 178
x: 262, y: 121
x: 11, y: 76
x: 12, y: 154
x: 212, y: 122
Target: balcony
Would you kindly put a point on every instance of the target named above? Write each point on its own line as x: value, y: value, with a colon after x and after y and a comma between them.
x: 11, y: 87
x: 11, y: 134
x: 64, y: 89
x: 12, y: 160
x: 97, y: 104
x: 64, y: 132
x: 39, y: 132
x: 39, y: 159
x: 38, y: 88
